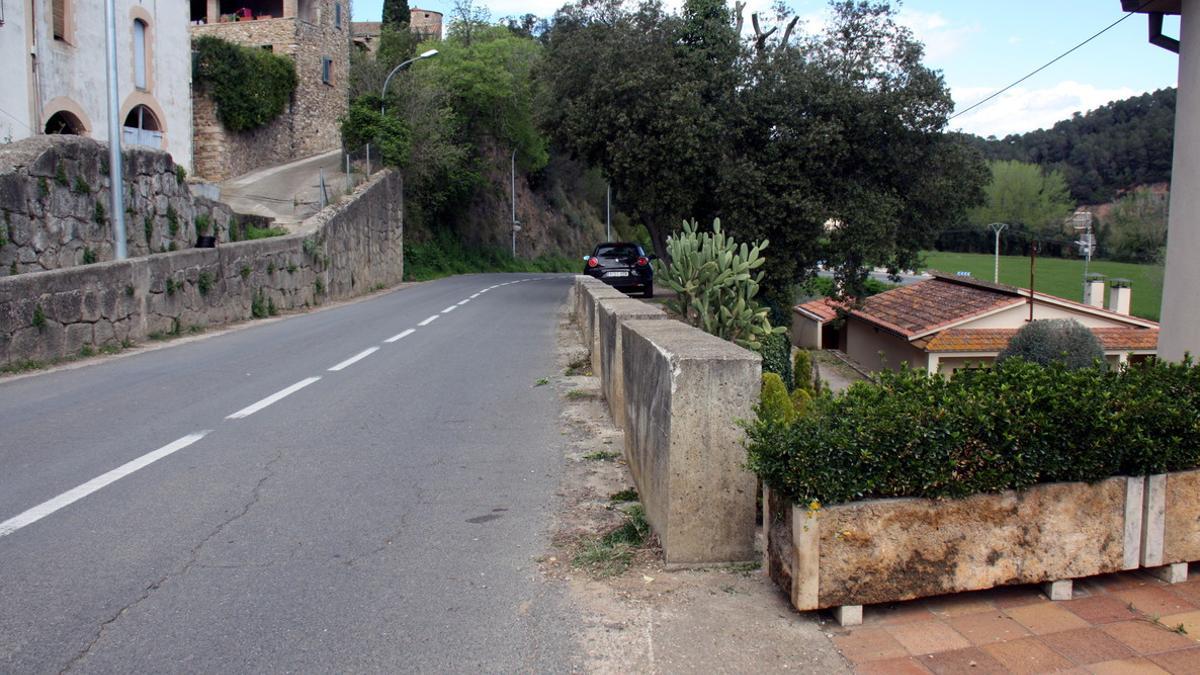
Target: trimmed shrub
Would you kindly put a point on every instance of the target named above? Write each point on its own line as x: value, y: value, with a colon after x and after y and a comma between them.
x: 774, y: 406
x: 1047, y: 341
x: 802, y: 372
x: 1008, y: 427
x: 776, y: 357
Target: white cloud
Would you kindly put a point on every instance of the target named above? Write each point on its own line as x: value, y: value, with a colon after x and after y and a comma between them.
x: 942, y: 38
x: 1019, y: 109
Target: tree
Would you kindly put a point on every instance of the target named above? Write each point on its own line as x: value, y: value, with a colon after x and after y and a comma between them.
x: 1135, y: 230
x: 396, y: 14
x: 1022, y: 194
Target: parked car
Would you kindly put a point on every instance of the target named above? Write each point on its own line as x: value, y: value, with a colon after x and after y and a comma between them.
x: 622, y: 265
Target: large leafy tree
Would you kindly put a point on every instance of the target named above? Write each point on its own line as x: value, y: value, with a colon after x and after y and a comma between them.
x: 1021, y: 194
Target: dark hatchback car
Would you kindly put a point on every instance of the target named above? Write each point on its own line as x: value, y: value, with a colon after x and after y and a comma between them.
x: 622, y: 265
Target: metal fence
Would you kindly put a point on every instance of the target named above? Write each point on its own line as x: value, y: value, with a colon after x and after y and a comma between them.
x: 360, y: 164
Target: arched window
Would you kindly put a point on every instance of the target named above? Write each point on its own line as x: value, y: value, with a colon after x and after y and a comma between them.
x: 63, y: 122
x: 142, y: 128
x: 139, y: 54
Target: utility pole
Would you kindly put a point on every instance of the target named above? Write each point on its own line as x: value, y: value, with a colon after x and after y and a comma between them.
x: 1082, y: 220
x: 1032, y: 265
x: 515, y: 225
x: 997, y: 228
x: 608, y: 212
x: 115, y: 181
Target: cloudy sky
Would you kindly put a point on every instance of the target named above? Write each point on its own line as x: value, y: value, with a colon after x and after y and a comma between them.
x: 982, y: 46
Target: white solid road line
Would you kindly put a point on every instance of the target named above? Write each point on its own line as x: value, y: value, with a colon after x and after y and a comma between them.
x: 428, y: 321
x: 354, y: 359
x: 283, y: 393
x: 70, y: 496
x: 401, y: 336
x: 449, y: 309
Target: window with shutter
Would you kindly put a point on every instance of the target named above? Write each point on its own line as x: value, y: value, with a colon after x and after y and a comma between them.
x: 326, y: 69
x: 58, y: 10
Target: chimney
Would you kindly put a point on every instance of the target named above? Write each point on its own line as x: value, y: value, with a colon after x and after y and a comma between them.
x: 1119, y: 296
x: 1093, y: 292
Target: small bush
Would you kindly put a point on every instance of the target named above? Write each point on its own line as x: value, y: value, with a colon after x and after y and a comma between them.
x: 987, y: 430
x: 60, y: 176
x: 43, y: 187
x: 205, y: 282
x: 802, y: 372
x: 148, y: 229
x: 1048, y: 341
x: 89, y: 256
x: 39, y: 317
x: 172, y: 221
x: 180, y: 174
x: 774, y: 406
x: 171, y: 286
x: 253, y: 232
x: 202, y: 224
x: 81, y: 186
x: 245, y: 271
x: 271, y: 267
x: 99, y: 214
x: 259, y: 308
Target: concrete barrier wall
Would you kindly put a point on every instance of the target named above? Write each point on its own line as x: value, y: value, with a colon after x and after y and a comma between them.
x: 589, y: 292
x: 684, y: 392
x: 351, y: 248
x: 612, y: 313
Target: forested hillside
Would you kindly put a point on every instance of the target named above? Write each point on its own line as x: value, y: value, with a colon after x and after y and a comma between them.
x: 1102, y: 153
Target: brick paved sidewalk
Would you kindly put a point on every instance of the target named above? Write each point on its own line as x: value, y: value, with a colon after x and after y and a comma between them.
x: 1117, y: 623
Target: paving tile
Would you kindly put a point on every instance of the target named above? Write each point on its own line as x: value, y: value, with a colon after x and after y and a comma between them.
x: 1155, y: 600
x: 1145, y: 637
x: 1181, y: 662
x: 1189, y: 620
x: 869, y: 644
x: 1188, y: 590
x: 1027, y: 656
x: 959, y: 604
x: 1100, y: 609
x: 985, y: 628
x: 927, y: 637
x: 1047, y: 617
x: 970, y: 660
x: 901, y: 612
x: 1126, y: 667
x: 1088, y: 645
x: 907, y: 665
x: 1016, y: 596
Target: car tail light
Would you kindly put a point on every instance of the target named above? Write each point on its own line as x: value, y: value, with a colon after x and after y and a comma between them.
x: 592, y: 262
x: 642, y: 262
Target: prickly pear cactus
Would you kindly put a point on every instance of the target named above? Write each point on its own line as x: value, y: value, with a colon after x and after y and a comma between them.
x: 714, y: 280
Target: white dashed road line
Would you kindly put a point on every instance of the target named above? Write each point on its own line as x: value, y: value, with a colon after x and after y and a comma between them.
x: 71, y: 496
x: 273, y: 398
x: 449, y: 309
x: 463, y: 302
x: 401, y: 336
x: 354, y: 359
x: 428, y: 321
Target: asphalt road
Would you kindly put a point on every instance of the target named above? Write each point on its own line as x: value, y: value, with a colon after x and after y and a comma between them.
x: 385, y: 517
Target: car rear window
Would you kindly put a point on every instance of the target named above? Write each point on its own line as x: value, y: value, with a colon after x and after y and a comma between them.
x: 618, y: 251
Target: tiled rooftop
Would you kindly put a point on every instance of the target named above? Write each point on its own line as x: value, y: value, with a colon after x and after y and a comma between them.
x: 927, y: 305
x: 996, y: 339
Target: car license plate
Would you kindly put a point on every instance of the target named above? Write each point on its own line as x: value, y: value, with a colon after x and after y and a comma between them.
x: 618, y: 273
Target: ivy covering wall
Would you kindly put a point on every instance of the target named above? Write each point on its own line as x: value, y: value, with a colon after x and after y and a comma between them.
x: 251, y: 87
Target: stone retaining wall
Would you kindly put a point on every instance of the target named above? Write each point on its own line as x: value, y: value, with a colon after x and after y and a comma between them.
x: 351, y: 248
x: 55, y: 197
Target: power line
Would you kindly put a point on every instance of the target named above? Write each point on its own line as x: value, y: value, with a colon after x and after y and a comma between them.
x: 1052, y: 61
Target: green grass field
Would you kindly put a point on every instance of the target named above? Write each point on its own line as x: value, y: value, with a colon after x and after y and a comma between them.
x: 1057, y: 276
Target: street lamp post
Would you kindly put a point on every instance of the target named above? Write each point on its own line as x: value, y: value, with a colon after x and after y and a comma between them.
x: 116, y: 182
x: 388, y: 79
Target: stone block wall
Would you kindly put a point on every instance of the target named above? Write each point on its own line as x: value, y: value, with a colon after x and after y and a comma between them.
x: 349, y: 248
x: 55, y: 201
x: 221, y: 154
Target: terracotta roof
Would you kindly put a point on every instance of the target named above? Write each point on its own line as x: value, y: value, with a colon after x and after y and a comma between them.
x: 996, y: 339
x: 823, y: 308
x: 927, y: 305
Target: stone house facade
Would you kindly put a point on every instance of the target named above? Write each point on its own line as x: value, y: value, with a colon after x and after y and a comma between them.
x: 425, y: 23
x: 313, y: 33
x: 55, y: 78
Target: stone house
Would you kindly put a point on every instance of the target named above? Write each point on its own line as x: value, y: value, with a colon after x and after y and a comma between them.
x: 951, y: 322
x: 55, y: 78
x: 313, y: 33
x: 425, y: 22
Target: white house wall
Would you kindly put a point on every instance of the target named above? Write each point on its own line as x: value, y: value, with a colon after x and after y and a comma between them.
x: 15, y: 92
x: 1016, y: 317
x: 75, y: 71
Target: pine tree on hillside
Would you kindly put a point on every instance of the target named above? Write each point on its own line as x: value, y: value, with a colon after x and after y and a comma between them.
x: 396, y: 13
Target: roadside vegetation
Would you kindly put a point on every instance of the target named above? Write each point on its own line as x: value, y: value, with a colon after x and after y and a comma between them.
x: 445, y: 256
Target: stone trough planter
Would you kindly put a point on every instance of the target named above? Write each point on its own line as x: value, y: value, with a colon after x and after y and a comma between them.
x: 887, y: 550
x: 1171, y: 524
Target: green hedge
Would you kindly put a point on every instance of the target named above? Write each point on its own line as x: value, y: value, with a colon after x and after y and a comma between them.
x: 444, y: 256
x: 250, y: 86
x: 1008, y: 427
